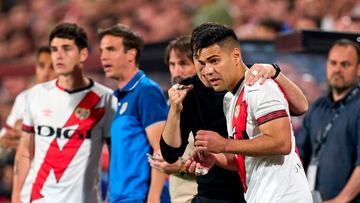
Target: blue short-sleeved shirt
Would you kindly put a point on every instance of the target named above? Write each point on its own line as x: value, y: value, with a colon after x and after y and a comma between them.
x: 340, y: 153
x: 141, y: 103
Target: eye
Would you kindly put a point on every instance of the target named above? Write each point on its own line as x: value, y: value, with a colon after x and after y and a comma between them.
x: 214, y: 61
x: 345, y: 64
x: 41, y: 65
x: 184, y: 64
x: 171, y: 65
x: 67, y: 48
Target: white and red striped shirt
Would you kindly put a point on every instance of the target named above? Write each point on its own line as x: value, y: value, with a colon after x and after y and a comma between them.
x: 267, y: 179
x: 69, y: 129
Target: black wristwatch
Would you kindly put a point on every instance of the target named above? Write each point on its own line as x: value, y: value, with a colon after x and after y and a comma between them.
x: 277, y: 68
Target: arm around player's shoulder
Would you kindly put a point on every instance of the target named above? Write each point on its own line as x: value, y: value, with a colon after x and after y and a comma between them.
x: 265, y: 98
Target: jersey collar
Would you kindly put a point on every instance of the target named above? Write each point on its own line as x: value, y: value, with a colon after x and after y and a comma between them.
x: 77, y: 90
x: 131, y: 84
x: 237, y: 86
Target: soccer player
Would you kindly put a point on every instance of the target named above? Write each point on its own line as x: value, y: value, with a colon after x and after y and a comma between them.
x: 262, y: 147
x: 11, y: 131
x: 66, y: 122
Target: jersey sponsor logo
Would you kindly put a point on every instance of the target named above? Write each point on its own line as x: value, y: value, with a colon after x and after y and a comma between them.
x: 58, y: 160
x: 67, y: 133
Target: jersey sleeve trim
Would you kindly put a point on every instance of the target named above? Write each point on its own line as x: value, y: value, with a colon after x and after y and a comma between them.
x: 28, y: 129
x: 7, y: 127
x: 271, y: 116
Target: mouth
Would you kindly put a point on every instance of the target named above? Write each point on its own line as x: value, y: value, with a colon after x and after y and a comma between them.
x: 337, y: 77
x: 213, y: 81
x: 59, y: 65
x: 107, y: 67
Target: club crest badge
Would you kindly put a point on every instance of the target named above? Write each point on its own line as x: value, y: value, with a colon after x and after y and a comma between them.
x: 123, y: 108
x: 237, y: 111
x: 82, y: 113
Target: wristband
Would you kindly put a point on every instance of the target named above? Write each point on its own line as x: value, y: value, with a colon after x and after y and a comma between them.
x: 277, y: 69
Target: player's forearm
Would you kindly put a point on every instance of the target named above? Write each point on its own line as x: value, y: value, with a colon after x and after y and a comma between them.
x: 297, y: 101
x: 21, y: 168
x: 275, y: 140
x: 260, y: 146
x: 156, y: 186
x: 171, y: 133
x: 352, y: 187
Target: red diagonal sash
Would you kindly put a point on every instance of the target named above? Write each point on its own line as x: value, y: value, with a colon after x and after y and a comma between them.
x: 239, y: 128
x: 59, y: 160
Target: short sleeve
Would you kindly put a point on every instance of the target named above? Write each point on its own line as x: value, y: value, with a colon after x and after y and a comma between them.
x: 266, y: 101
x: 152, y: 105
x: 28, y: 122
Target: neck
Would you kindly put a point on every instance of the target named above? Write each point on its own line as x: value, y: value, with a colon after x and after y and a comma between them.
x: 74, y: 81
x: 339, y: 94
x: 240, y: 72
x: 126, y: 77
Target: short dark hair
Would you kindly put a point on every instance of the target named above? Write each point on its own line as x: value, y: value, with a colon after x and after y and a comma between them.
x: 182, y: 45
x: 70, y: 31
x: 208, y: 34
x: 42, y: 49
x: 345, y: 43
x: 131, y: 39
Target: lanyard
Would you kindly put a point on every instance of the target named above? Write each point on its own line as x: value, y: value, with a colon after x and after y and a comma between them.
x: 323, y: 134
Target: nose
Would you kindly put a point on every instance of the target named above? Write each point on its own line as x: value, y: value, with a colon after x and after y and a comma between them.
x: 337, y: 68
x: 103, y: 55
x: 178, y: 71
x: 58, y: 54
x: 207, y: 70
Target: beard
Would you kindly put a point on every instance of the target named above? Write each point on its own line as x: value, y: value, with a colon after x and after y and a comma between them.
x: 338, y: 85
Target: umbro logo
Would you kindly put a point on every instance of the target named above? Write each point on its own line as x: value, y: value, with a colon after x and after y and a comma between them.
x: 46, y: 112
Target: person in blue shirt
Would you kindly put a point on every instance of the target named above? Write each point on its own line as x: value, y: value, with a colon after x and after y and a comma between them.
x: 329, y: 142
x: 138, y: 123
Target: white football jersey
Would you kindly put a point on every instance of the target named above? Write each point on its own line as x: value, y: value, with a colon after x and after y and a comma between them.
x: 17, y: 111
x: 269, y: 179
x: 69, y: 129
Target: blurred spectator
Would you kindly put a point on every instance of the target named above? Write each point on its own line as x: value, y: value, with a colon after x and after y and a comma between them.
x: 267, y: 29
x: 355, y: 24
x: 212, y: 11
x: 307, y: 22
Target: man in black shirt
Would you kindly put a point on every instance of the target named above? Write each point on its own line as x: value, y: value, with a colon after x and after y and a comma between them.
x: 198, y: 106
